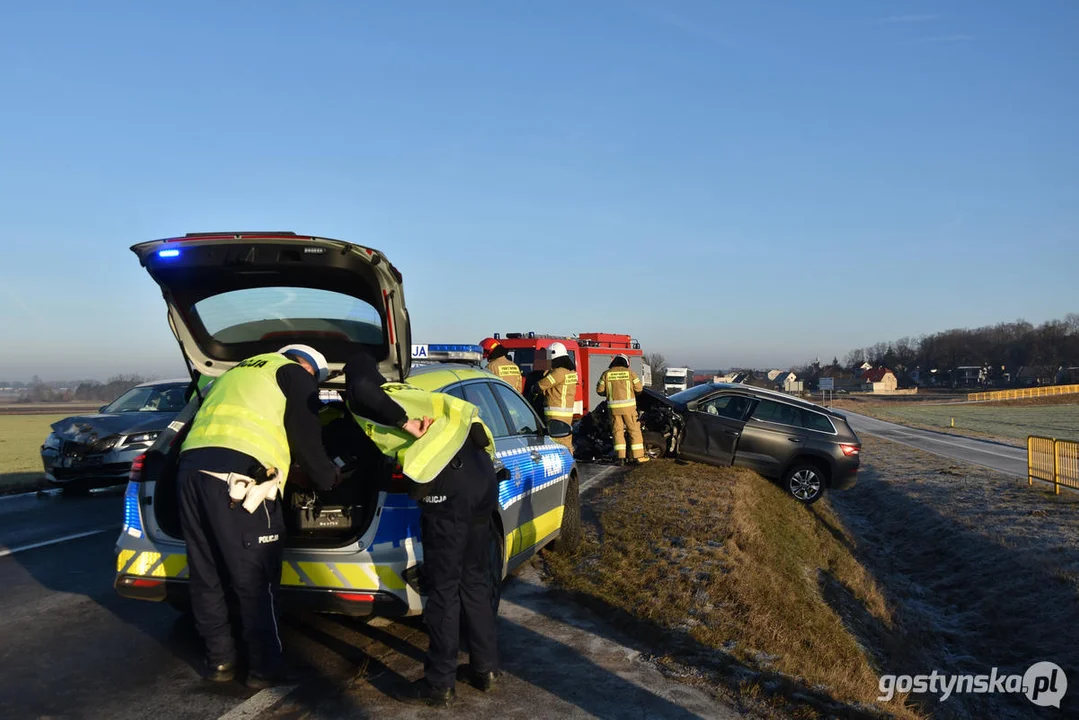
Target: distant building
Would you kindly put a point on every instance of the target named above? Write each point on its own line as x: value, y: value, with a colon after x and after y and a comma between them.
x: 967, y: 376
x: 788, y: 382
x: 1033, y: 375
x: 880, y: 380
x: 773, y: 374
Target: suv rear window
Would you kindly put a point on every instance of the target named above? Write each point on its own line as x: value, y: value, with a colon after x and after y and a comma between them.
x: 816, y: 421
x: 253, y: 314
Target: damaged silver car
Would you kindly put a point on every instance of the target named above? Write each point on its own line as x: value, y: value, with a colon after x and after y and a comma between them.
x: 90, y: 451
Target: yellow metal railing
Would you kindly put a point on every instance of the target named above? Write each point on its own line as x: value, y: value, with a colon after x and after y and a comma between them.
x: 1024, y: 393
x: 1053, y: 461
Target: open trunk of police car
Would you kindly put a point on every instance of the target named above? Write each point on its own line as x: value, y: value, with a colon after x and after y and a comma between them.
x: 234, y: 295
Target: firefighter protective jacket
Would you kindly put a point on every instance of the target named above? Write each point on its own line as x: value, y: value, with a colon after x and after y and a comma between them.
x: 620, y: 385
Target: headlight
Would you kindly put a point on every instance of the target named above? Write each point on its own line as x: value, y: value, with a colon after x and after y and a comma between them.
x: 140, y: 438
x: 52, y: 442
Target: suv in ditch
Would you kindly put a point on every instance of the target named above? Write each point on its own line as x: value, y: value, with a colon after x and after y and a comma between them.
x: 357, y: 549
x: 808, y: 448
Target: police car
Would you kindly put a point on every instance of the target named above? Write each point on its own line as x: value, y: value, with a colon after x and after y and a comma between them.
x: 356, y: 550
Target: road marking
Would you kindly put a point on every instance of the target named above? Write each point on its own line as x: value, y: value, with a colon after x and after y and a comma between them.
x: 259, y: 702
x: 11, y: 551
x: 595, y: 479
x: 968, y: 444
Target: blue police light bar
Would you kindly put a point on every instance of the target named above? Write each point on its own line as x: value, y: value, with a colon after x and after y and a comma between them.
x: 132, y: 514
x: 456, y: 348
x: 169, y: 253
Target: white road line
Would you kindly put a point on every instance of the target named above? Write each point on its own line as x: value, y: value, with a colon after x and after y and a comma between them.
x: 971, y: 444
x: 596, y: 478
x: 11, y: 551
x: 258, y: 703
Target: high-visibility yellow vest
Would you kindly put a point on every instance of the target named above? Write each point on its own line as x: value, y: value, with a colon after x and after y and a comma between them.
x: 422, y: 459
x: 244, y: 410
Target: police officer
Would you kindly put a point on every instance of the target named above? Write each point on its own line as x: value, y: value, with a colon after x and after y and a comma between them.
x: 255, y: 421
x: 453, y: 478
x: 559, y: 388
x: 620, y: 385
x: 498, y: 363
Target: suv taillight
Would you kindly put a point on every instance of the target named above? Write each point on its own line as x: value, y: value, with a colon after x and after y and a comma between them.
x: 136, y: 468
x: 849, y: 450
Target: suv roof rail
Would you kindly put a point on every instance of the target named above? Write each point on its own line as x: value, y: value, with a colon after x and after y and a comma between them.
x: 241, y: 232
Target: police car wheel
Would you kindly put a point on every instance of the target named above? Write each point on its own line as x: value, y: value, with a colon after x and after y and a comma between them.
x: 570, y: 535
x: 495, y: 559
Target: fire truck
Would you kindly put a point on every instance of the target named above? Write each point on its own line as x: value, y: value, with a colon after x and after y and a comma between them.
x: 591, y: 352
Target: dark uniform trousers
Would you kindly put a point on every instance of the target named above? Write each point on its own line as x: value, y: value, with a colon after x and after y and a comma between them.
x: 233, y: 555
x: 455, y: 523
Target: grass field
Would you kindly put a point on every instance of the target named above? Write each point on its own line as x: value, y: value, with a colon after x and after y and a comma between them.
x: 1012, y: 422
x: 20, y: 449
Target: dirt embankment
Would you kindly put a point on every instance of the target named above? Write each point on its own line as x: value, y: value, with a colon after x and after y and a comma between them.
x: 739, y: 587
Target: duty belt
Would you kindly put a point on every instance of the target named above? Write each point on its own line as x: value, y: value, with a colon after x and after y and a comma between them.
x: 247, y: 490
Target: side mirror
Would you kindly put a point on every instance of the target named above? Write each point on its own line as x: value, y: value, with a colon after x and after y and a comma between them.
x: 559, y: 429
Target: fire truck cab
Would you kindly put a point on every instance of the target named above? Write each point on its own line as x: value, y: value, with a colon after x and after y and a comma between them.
x: 591, y: 352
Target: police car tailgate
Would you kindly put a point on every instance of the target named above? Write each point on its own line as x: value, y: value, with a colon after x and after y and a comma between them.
x: 234, y: 295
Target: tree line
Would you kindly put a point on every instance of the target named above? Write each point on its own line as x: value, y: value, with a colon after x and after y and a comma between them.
x: 1001, y: 348
x: 38, y: 390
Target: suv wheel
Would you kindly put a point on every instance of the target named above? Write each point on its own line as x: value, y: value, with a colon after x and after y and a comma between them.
x: 805, y: 483
x: 655, y: 445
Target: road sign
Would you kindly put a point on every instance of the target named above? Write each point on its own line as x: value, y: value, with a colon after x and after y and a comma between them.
x: 827, y: 384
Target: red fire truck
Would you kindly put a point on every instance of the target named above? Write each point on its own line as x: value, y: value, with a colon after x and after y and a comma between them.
x: 591, y: 353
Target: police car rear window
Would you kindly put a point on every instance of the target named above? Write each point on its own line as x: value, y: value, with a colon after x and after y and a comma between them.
x: 266, y: 313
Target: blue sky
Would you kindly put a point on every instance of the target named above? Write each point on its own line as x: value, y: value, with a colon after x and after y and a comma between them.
x: 732, y: 182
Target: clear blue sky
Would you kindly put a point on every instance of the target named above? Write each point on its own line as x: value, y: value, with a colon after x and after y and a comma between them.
x: 732, y: 182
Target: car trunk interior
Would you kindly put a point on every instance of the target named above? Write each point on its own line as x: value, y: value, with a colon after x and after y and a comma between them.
x: 315, y: 519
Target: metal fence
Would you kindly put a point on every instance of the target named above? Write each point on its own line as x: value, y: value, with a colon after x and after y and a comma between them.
x: 1053, y: 461
x: 1024, y: 393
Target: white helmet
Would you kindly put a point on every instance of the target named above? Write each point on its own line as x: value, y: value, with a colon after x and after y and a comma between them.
x: 316, y: 359
x: 557, y: 350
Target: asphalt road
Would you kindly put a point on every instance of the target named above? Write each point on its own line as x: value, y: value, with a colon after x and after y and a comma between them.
x: 73, y: 649
x: 1004, y: 458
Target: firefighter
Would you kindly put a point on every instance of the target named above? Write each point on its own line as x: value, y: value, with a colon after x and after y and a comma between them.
x: 255, y: 421
x: 620, y: 385
x: 499, y: 364
x: 453, y: 478
x: 559, y: 388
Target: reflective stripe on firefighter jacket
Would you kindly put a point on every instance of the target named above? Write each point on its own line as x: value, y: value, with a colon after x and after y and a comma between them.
x: 507, y: 370
x: 422, y: 459
x: 244, y: 410
x: 559, y: 388
x: 621, y: 386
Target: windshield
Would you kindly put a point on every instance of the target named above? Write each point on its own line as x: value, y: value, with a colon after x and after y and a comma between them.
x: 674, y: 379
x: 692, y: 393
x: 291, y: 313
x: 150, y: 398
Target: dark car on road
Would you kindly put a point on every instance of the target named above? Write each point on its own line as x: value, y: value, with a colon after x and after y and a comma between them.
x: 808, y: 448
x: 88, y: 451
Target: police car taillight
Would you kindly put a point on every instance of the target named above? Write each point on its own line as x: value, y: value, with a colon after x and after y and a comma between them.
x: 136, y: 468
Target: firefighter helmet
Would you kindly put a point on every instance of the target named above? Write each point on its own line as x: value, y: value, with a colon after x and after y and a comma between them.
x: 557, y: 350
x: 619, y: 360
x: 488, y: 346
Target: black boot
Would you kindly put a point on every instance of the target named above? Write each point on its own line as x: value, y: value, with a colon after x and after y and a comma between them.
x: 220, y: 672
x: 267, y: 679
x: 421, y: 693
x: 483, y: 681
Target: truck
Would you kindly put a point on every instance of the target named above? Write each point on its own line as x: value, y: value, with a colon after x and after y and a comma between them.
x: 677, y: 379
x: 591, y: 352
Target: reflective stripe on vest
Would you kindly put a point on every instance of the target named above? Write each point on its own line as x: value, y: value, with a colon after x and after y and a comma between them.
x: 422, y: 459
x: 244, y: 410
